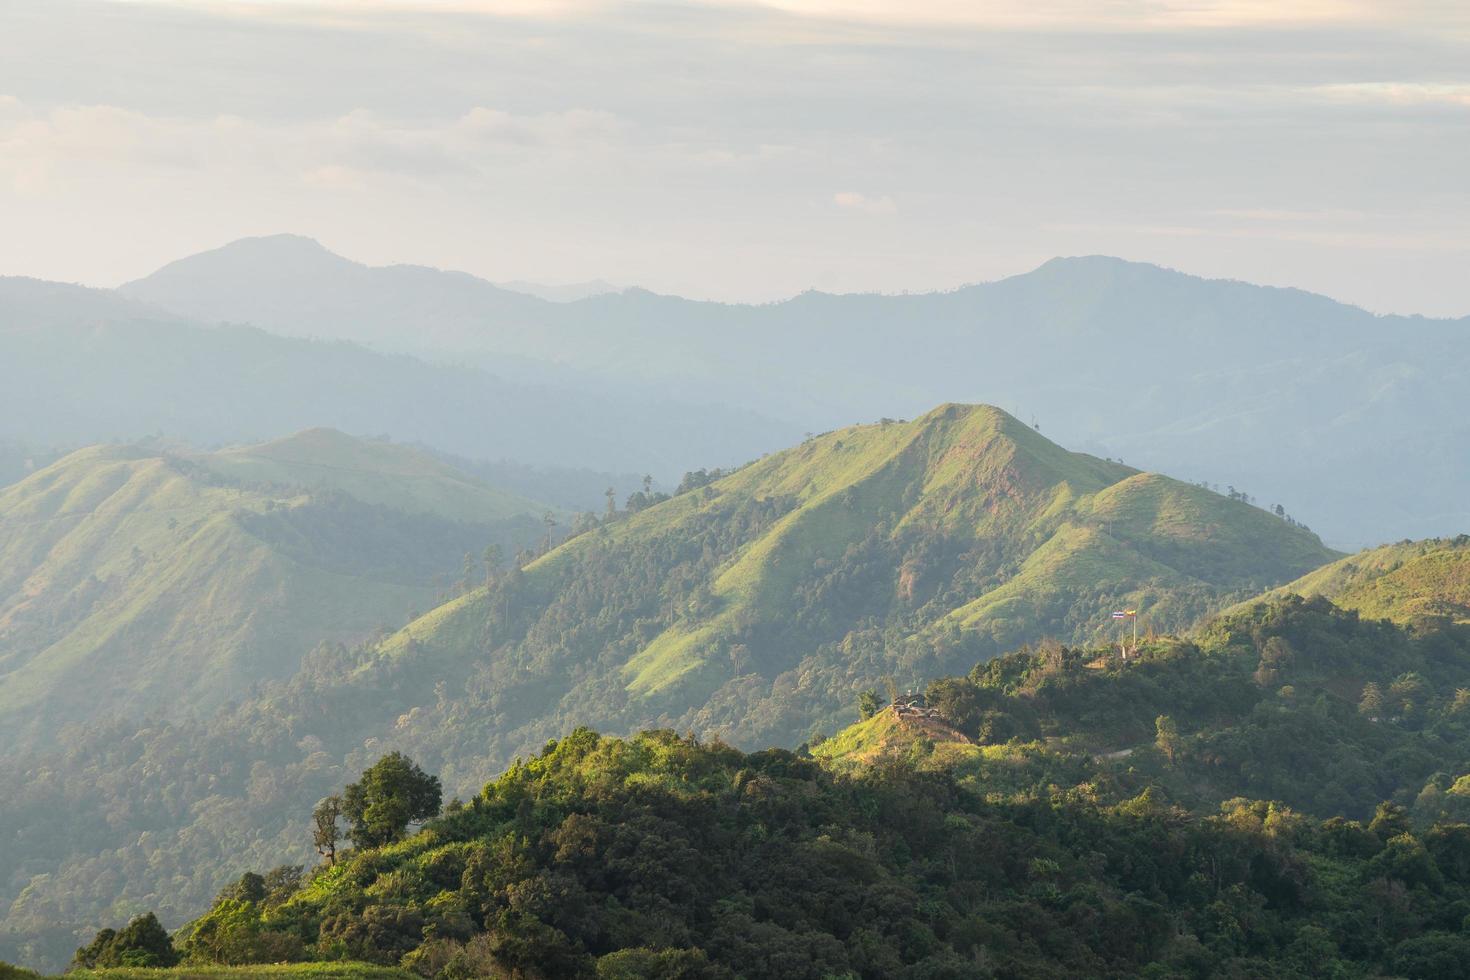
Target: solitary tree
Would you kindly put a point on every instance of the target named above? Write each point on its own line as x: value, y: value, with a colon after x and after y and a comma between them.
x: 324, y: 832
x: 392, y: 794
x: 868, y: 704
x: 1167, y: 737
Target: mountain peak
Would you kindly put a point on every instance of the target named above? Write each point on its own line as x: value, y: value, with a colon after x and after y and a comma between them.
x: 260, y: 259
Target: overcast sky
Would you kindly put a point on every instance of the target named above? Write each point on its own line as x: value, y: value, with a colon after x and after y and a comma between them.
x: 745, y: 151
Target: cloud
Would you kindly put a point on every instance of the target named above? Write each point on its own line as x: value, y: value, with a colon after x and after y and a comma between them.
x: 1398, y: 93
x: 40, y: 149
x: 1058, y: 14
x: 853, y: 201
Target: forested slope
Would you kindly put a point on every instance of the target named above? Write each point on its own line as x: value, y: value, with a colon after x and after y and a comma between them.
x: 137, y: 582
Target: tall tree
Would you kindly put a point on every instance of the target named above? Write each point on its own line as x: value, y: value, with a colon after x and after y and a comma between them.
x: 1167, y: 738
x: 325, y: 833
x: 393, y: 793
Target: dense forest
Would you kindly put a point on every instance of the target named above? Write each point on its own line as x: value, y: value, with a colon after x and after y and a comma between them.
x: 1352, y: 734
x: 658, y: 856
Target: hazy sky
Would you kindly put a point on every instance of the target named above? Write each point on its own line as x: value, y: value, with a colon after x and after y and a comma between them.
x: 749, y: 151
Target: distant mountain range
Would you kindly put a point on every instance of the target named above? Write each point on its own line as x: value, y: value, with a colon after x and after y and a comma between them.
x: 1353, y: 422
x: 80, y: 366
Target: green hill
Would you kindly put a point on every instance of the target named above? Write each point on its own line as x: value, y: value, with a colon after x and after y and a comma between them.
x: 1403, y: 582
x: 755, y: 606
x: 1287, y: 699
x: 374, y: 472
x: 135, y: 581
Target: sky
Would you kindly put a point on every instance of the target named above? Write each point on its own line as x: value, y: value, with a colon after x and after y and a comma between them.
x: 745, y: 151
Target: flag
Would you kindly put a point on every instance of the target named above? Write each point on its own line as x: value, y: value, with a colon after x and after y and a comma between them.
x: 1119, y: 615
x: 1130, y: 612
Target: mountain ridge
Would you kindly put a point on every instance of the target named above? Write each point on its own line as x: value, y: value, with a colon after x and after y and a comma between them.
x: 1300, y: 399
x: 960, y: 534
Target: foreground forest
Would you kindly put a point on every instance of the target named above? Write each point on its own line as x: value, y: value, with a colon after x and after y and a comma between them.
x: 1278, y: 794
x: 1304, y: 816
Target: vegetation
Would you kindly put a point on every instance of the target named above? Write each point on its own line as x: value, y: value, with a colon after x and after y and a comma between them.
x: 661, y: 856
x: 137, y: 581
x: 1220, y: 805
x: 1266, y: 703
x: 287, y: 971
x: 393, y: 793
x: 1405, y: 582
x: 754, y: 607
x: 142, y: 942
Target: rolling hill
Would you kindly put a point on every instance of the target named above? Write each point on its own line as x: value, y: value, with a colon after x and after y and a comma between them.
x: 1404, y: 582
x: 756, y: 606
x: 135, y: 581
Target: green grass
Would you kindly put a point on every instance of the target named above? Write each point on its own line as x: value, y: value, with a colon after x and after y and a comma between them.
x: 1400, y: 582
x: 126, y: 578
x: 1075, y: 524
x: 303, y: 971
x: 374, y: 472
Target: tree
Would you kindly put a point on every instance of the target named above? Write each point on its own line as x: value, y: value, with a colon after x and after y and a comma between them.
x: 612, y: 502
x: 1167, y: 738
x: 393, y: 793
x: 1370, y: 705
x: 143, y: 942
x: 324, y: 831
x: 491, y: 557
x: 868, y: 704
x: 1390, y: 820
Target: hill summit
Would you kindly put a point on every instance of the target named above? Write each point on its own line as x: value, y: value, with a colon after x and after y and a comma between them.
x: 756, y: 604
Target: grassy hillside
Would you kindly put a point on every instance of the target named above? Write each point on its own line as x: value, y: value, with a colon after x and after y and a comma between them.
x: 1402, y: 582
x: 756, y: 606
x: 376, y: 472
x: 135, y: 581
